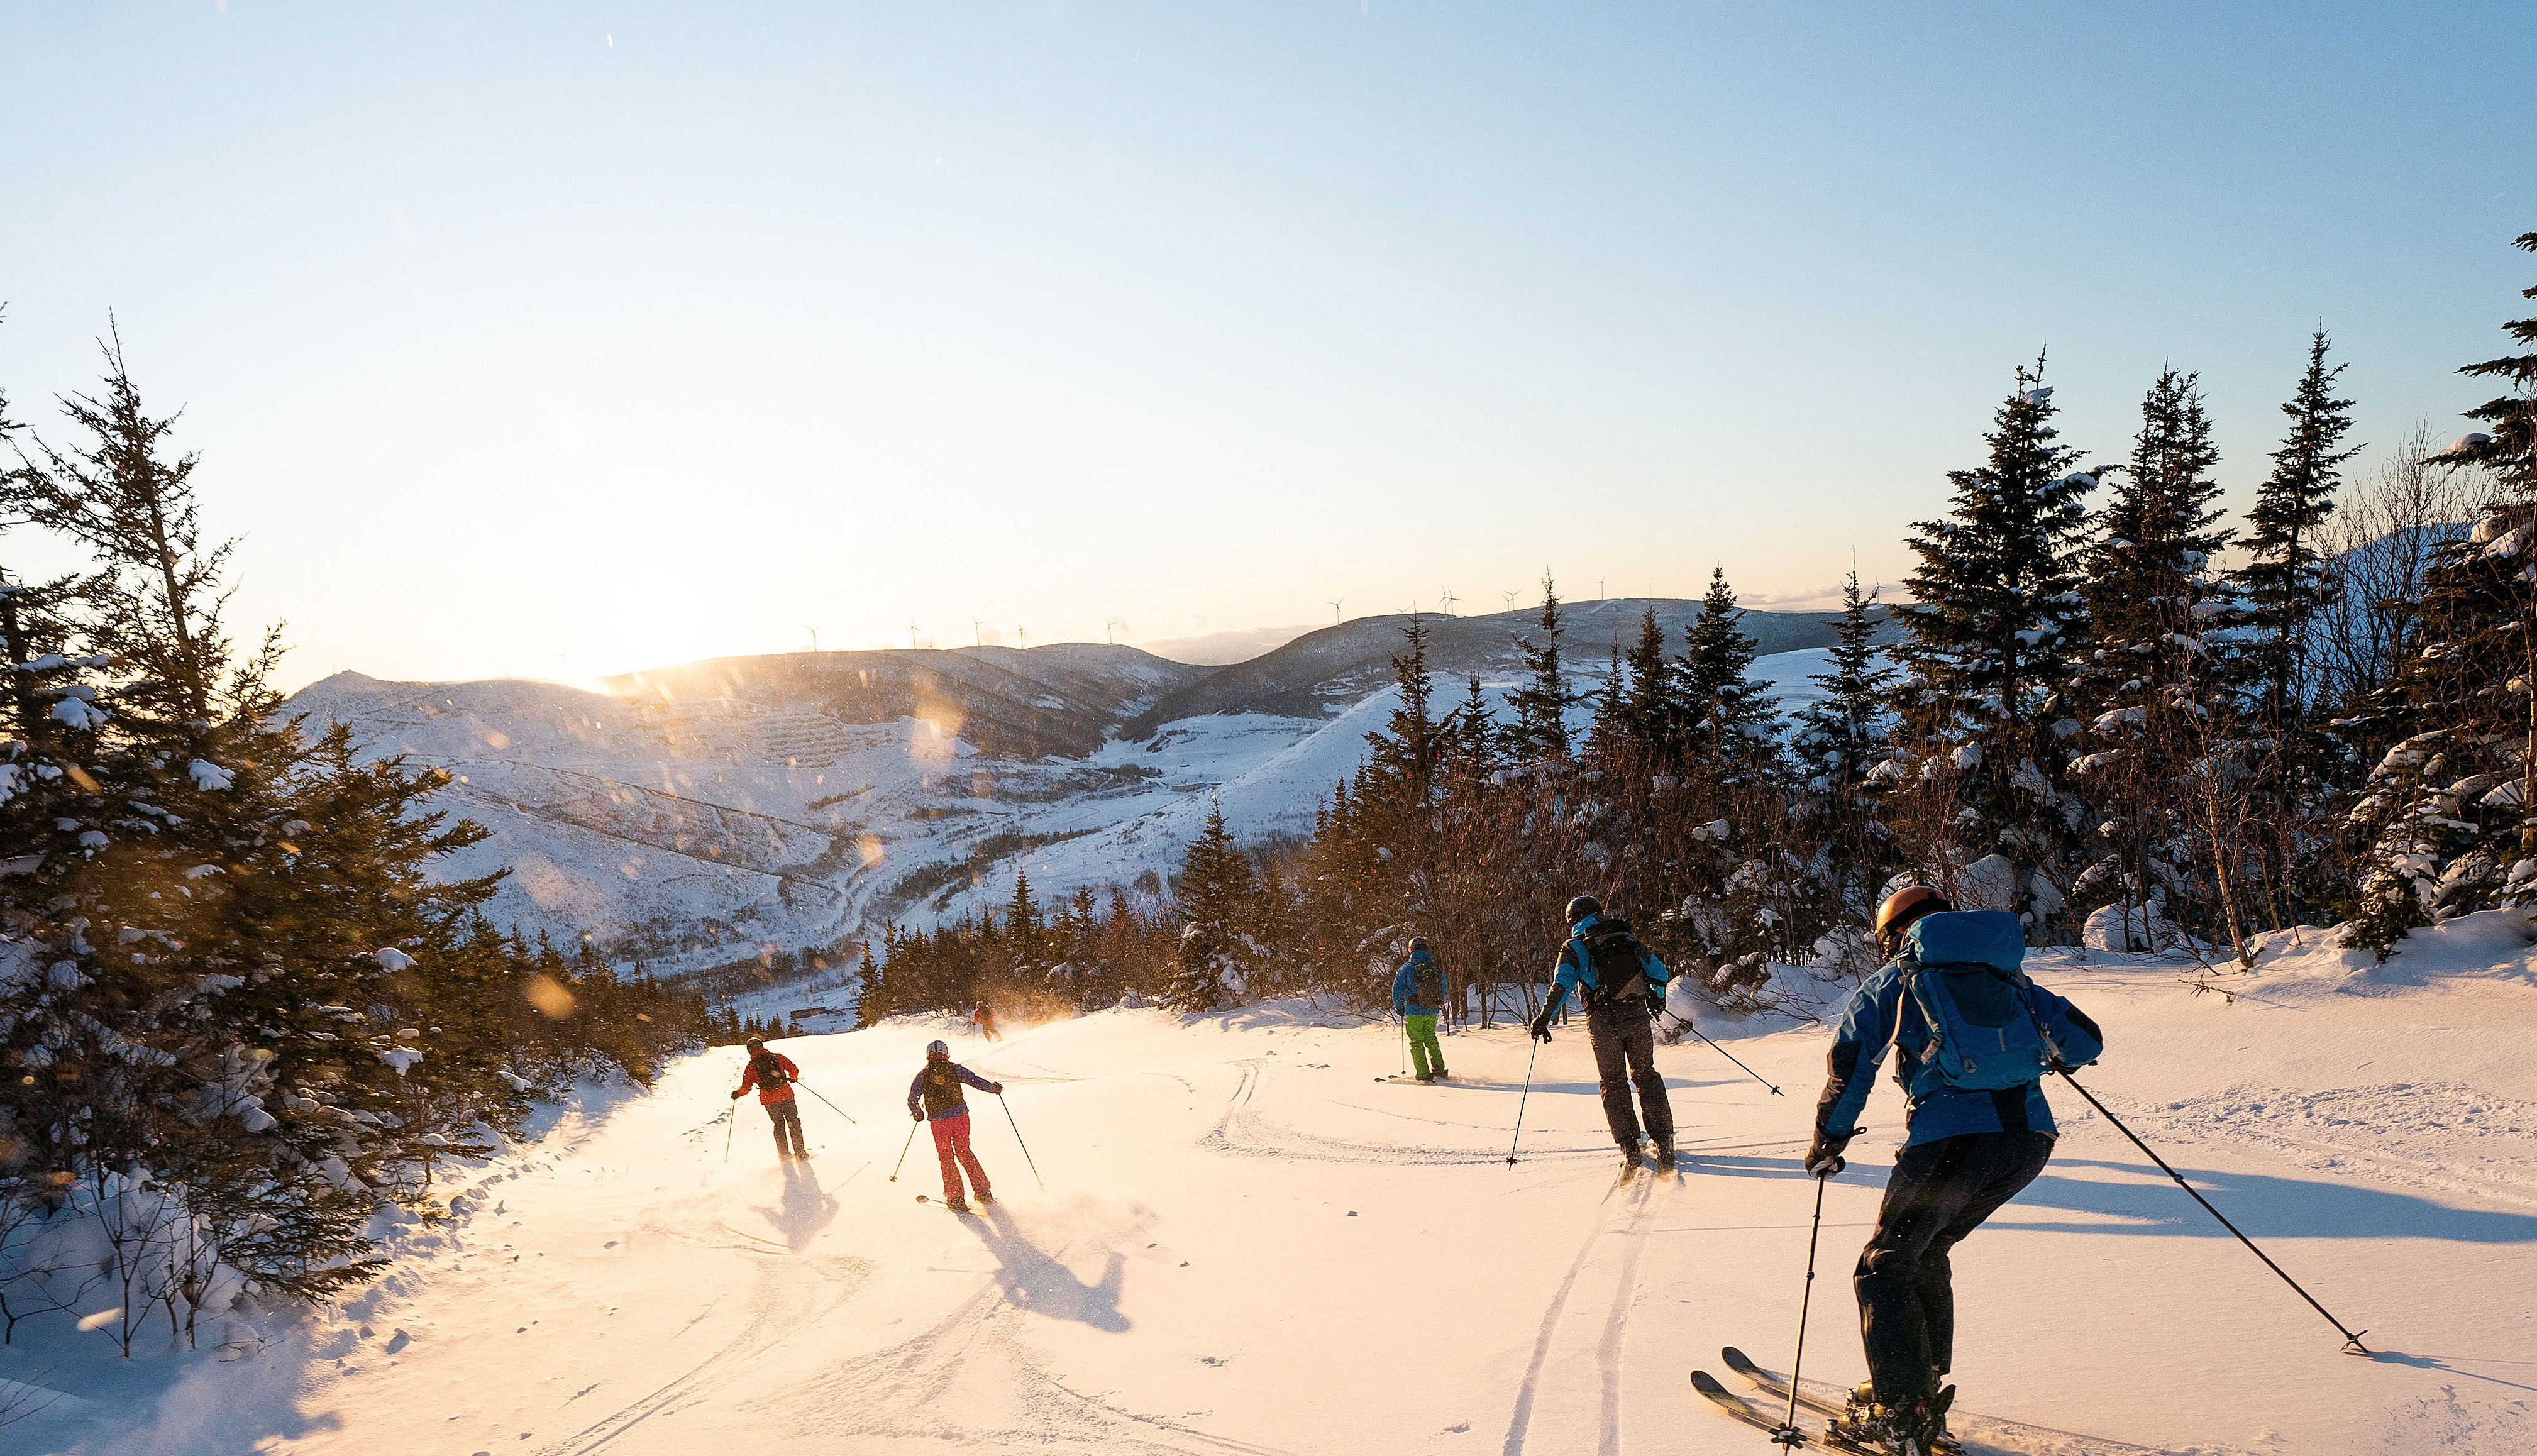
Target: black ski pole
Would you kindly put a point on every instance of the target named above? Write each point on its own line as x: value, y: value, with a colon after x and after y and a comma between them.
x: 902, y: 1149
x: 2350, y: 1340
x: 832, y: 1106
x: 1017, y: 1137
x: 1723, y: 1051
x: 1788, y: 1434
x: 1521, y: 1100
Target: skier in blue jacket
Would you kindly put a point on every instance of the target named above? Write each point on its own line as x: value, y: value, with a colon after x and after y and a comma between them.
x: 1623, y: 986
x: 1966, y: 1150
x: 1418, y: 994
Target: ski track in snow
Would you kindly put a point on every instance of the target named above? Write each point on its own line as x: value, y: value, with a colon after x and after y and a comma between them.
x: 1242, y: 1132
x: 2415, y: 1134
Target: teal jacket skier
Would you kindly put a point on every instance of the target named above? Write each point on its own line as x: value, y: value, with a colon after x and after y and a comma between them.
x: 1623, y: 986
x: 1971, y: 1038
x: 1418, y: 994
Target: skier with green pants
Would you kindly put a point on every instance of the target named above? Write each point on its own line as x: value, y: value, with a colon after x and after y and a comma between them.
x: 1418, y: 993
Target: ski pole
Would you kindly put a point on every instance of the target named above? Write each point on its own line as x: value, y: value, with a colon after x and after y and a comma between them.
x: 1788, y: 1434
x: 2350, y: 1340
x: 1521, y: 1100
x: 902, y: 1150
x: 1017, y: 1137
x: 730, y: 1124
x: 832, y: 1106
x: 1723, y: 1051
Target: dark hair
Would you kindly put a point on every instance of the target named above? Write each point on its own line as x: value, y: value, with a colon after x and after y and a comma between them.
x: 1417, y: 943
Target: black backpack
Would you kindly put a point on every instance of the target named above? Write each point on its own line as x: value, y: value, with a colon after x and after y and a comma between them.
x: 1426, y: 984
x: 1620, y: 972
x: 770, y: 1072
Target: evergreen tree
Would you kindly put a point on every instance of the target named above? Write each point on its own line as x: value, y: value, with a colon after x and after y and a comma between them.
x: 1653, y: 713
x: 1541, y: 704
x: 1996, y: 612
x: 2448, y: 818
x: 2510, y: 447
x: 2157, y: 698
x: 1840, y: 743
x: 1213, y: 896
x: 2284, y: 579
x: 1731, y: 722
x: 1405, y: 754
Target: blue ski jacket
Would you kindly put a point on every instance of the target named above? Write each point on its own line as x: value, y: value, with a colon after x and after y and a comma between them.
x: 1404, y: 980
x: 1576, y: 969
x: 1882, y: 1015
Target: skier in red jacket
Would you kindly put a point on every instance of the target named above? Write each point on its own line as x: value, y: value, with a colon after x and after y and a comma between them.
x: 773, y: 1074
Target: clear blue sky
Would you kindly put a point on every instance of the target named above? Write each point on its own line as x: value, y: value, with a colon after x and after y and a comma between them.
x: 565, y: 338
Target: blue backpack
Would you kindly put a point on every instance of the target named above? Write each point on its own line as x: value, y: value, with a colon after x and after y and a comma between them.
x: 1961, y: 970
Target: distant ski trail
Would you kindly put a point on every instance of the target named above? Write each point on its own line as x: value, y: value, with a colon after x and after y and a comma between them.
x: 1242, y: 1132
x: 1520, y: 1425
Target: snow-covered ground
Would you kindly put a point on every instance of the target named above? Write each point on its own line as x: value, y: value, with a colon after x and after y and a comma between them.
x: 1247, y: 1245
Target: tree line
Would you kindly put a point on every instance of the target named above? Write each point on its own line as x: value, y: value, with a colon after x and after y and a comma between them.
x: 2104, y: 707
x: 239, y: 1013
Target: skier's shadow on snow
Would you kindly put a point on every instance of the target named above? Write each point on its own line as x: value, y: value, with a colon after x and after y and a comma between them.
x: 1036, y: 1281
x: 2264, y: 1205
x: 805, y: 1208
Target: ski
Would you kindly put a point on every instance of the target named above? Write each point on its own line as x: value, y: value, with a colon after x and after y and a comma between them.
x: 1413, y: 1079
x: 1743, y: 1364
x: 1733, y: 1404
x: 938, y: 1203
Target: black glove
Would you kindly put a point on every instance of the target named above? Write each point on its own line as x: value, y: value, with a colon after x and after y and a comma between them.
x: 1542, y: 1027
x: 735, y: 1096
x: 997, y: 1088
x: 1655, y: 1008
x: 918, y: 1116
x: 1824, y: 1160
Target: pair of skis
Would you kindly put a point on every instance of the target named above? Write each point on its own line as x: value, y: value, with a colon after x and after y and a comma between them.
x: 1777, y: 1389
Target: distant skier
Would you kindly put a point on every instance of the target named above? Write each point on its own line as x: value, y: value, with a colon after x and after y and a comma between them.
x: 1976, y: 1038
x: 935, y: 1099
x: 1623, y: 986
x: 1418, y: 994
x: 773, y: 1074
x: 984, y: 1019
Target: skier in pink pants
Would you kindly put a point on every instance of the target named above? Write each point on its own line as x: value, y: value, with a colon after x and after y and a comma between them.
x: 935, y: 1099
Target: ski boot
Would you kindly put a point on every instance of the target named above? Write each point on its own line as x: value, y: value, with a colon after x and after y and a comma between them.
x: 1665, y: 1155
x: 1632, y: 1161
x: 983, y: 1197
x: 1915, y: 1428
x: 956, y: 1205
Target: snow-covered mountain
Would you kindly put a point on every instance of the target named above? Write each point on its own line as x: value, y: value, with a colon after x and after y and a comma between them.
x: 688, y: 817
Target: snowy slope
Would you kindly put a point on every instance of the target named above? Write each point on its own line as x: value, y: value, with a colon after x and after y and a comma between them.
x: 698, y: 815
x: 1246, y: 1245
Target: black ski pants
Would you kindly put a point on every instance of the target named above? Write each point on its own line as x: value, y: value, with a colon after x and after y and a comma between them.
x: 787, y: 1115
x: 1940, y: 1192
x: 1625, y: 1050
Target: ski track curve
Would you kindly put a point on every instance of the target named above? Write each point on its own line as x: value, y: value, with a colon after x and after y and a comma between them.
x: 1242, y: 1132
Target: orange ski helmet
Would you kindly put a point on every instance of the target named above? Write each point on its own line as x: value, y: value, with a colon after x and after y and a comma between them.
x: 1901, y: 908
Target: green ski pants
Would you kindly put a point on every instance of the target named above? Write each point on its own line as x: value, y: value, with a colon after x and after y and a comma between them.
x: 1425, y: 1052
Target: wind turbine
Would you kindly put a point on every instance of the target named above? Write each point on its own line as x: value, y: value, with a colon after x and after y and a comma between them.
x: 1110, y: 628
x: 977, y: 633
x: 814, y: 639
x: 911, y: 637
x: 1447, y: 601
x: 1509, y: 600
x: 1024, y: 634
x: 1335, y: 612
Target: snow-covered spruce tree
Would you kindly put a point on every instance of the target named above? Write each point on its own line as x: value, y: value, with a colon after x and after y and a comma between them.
x: 1732, y: 723
x: 2448, y: 816
x: 1839, y: 743
x: 1541, y: 706
x: 1653, y: 713
x: 1996, y: 612
x: 1212, y: 898
x: 2160, y: 755
x: 2286, y: 586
